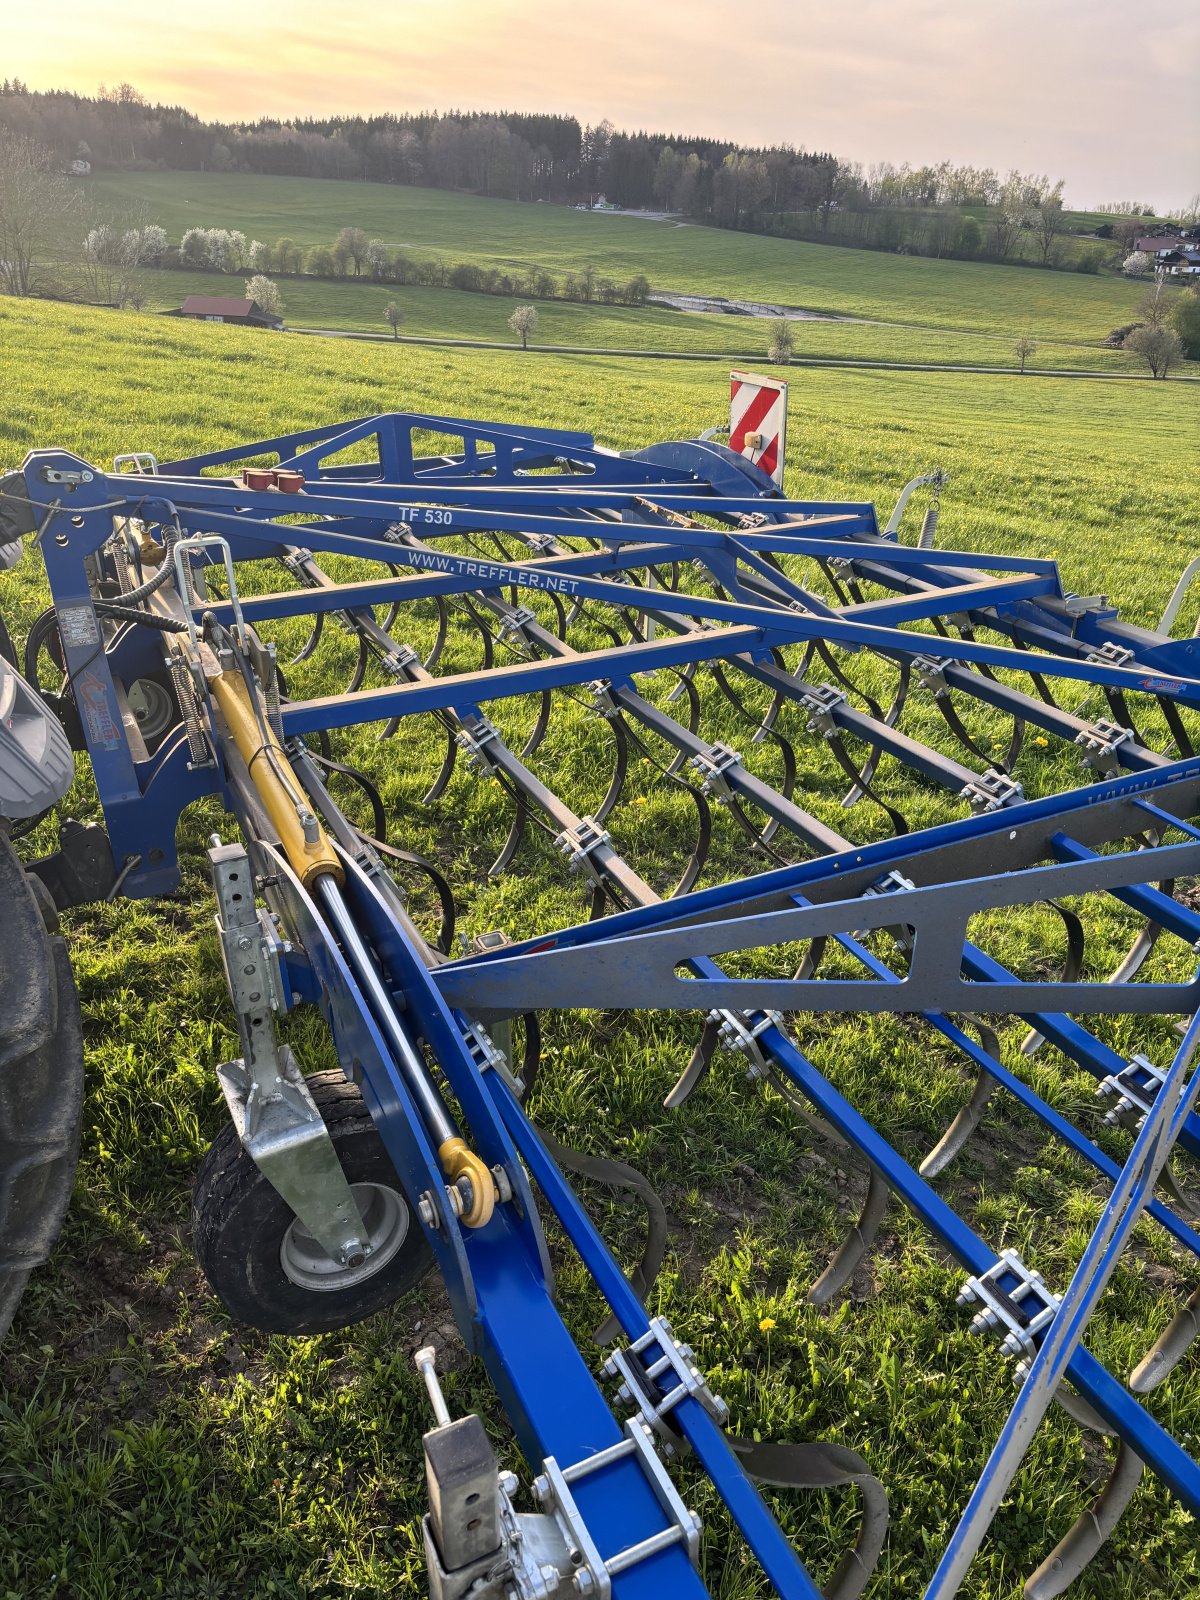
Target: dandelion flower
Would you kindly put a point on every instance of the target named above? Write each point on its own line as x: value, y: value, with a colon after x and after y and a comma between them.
x: 766, y: 1324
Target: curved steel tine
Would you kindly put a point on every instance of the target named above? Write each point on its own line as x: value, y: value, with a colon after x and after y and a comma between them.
x: 620, y: 770
x: 890, y: 718
x: 1072, y: 966
x: 685, y: 686
x: 1171, y: 1184
x: 969, y: 1118
x: 620, y: 1175
x: 699, y: 855
x: 598, y: 899
x: 438, y: 787
x: 1174, y: 721
x: 312, y: 642
x: 788, y: 787
x: 515, y: 834
x: 439, y: 643
x: 410, y: 858
x: 1088, y: 1533
x: 560, y: 611
x: 812, y: 959
x: 360, y: 668
x: 485, y: 634
x: 374, y: 799
x: 539, y: 728
x: 1169, y: 1349
x: 858, y: 1240
x: 757, y: 836
x: 677, y: 693
x: 826, y: 1466
x: 393, y: 611
x: 701, y: 1060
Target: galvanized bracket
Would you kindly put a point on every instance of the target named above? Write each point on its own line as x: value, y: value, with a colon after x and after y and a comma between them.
x: 1100, y: 743
x: 1136, y: 1087
x: 740, y: 1031
x: 1020, y: 1313
x: 991, y: 791
x: 591, y: 1573
x: 656, y: 1388
x: 272, y: 1110
x: 474, y: 741
x: 930, y: 673
x: 578, y: 843
x: 714, y: 764
x: 819, y: 703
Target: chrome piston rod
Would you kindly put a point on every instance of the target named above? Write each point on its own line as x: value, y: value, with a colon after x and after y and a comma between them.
x: 362, y: 964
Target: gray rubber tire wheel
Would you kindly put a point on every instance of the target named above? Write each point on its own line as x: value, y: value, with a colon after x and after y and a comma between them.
x: 41, y: 1083
x: 242, y: 1228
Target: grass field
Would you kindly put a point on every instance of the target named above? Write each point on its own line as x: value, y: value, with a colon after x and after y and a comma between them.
x: 453, y: 314
x: 907, y: 289
x: 151, y: 1450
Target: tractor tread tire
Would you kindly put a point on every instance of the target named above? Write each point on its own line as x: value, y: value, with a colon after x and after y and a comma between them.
x: 41, y: 1083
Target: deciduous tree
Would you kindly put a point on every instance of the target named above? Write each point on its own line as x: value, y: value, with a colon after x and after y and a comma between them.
x: 265, y: 294
x: 1160, y: 347
x: 523, y: 322
x: 781, y: 343
x: 37, y: 208
x: 393, y: 316
x: 1024, y: 348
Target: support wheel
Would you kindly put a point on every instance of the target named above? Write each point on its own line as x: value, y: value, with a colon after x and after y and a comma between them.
x: 41, y: 1082
x: 263, y: 1264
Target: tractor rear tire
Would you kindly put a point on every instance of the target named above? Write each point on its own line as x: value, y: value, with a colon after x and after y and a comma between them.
x: 265, y: 1268
x: 41, y: 1082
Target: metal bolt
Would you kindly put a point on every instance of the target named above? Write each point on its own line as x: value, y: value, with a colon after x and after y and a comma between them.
x: 540, y: 1490
x: 428, y: 1212
x: 244, y: 942
x: 583, y: 1582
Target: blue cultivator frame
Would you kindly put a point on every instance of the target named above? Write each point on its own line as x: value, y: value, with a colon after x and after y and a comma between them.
x: 681, y: 557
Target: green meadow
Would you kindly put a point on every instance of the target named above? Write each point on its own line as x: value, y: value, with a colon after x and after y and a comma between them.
x: 956, y: 295
x: 150, y: 1449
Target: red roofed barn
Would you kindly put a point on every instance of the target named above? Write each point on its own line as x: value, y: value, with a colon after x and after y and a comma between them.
x: 213, y: 308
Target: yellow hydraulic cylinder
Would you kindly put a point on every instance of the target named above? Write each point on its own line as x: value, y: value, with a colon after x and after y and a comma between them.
x: 310, y: 857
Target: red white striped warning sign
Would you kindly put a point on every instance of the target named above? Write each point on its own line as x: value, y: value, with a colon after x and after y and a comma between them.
x: 757, y: 416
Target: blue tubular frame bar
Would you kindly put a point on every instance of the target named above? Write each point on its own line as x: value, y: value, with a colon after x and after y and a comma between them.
x: 595, y: 528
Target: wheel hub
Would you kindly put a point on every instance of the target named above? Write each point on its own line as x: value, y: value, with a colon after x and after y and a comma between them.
x: 386, y: 1218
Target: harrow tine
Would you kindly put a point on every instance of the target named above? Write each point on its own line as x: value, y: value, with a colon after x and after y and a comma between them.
x: 438, y: 787
x: 540, y: 726
x: 1169, y: 1349
x: 1123, y: 972
x: 1087, y: 1535
x: 516, y: 833
x: 378, y: 813
x: 443, y: 629
x: 699, y: 1064
x: 826, y: 1466
x: 314, y: 639
x: 615, y: 1174
x: 889, y: 720
x: 620, y: 770
x: 411, y: 858
x: 969, y: 1118
x: 858, y: 1241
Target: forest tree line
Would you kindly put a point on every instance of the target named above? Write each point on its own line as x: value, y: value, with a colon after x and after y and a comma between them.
x: 783, y: 189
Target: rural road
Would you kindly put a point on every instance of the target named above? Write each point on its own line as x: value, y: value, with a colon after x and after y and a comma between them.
x: 732, y: 355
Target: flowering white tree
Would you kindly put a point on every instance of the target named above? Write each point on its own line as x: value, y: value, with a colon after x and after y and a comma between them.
x: 1137, y: 264
x: 523, y: 322
x: 265, y: 295
x: 193, y: 247
x: 258, y: 255
x: 378, y: 258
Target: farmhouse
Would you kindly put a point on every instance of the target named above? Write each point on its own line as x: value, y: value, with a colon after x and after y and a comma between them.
x: 213, y: 308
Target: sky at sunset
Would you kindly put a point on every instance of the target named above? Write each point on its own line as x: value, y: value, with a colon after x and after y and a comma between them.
x: 1098, y: 92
